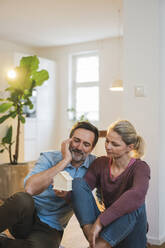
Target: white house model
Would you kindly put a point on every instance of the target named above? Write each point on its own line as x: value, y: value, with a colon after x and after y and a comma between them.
x: 62, y: 181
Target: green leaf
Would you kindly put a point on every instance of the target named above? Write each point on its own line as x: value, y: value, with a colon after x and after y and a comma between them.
x: 13, y: 114
x: 11, y: 89
x: 8, y: 138
x: 5, y: 106
x: 22, y: 80
x: 22, y: 119
x: 2, y: 150
x: 27, y: 93
x: 40, y: 77
x: 71, y: 110
x: 15, y: 96
x: 27, y: 103
x: 2, y: 99
x: 30, y: 62
x: 3, y: 118
x: 31, y: 106
x: 27, y: 77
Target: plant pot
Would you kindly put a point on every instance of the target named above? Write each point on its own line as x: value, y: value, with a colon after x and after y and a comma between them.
x: 12, y: 178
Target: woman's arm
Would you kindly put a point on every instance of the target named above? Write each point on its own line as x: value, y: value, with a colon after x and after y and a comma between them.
x: 131, y: 199
x: 92, y: 175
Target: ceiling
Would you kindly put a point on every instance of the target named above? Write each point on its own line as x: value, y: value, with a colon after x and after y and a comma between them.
x: 43, y: 23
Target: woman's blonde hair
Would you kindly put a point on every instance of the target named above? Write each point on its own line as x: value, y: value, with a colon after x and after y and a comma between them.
x: 129, y: 135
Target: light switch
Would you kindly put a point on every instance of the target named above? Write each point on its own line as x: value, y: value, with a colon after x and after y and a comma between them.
x: 139, y: 91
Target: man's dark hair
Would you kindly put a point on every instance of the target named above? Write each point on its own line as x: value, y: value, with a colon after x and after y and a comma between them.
x: 88, y: 126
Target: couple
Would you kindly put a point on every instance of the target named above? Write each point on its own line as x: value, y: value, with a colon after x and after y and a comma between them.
x: 38, y: 217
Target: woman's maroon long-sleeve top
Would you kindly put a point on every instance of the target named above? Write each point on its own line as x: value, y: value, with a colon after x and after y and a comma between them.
x: 123, y: 194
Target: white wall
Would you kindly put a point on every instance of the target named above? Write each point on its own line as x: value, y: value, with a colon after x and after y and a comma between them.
x: 141, y: 67
x: 110, y: 51
x: 7, y: 51
x: 162, y: 122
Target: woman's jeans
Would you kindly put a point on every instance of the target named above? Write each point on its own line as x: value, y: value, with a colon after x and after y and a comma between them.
x: 18, y: 214
x: 129, y: 231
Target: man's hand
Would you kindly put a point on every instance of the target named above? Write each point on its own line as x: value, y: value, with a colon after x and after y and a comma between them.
x: 60, y: 193
x: 94, y: 233
x: 66, y: 154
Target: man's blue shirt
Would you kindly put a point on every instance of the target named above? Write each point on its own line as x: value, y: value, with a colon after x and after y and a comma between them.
x: 52, y: 209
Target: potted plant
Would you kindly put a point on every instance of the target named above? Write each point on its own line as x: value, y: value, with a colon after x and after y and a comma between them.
x: 19, y: 93
x: 73, y: 115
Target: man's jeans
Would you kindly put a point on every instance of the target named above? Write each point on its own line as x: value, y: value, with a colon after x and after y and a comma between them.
x: 129, y: 231
x: 18, y: 214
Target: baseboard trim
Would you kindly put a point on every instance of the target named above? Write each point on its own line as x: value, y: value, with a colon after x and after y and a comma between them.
x: 155, y: 241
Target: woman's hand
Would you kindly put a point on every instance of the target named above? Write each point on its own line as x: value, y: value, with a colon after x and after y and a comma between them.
x: 94, y: 232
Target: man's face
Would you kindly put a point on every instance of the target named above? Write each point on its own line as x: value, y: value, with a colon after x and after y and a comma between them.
x: 81, y: 144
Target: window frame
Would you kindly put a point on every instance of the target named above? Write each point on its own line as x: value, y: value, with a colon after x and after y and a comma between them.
x: 75, y: 85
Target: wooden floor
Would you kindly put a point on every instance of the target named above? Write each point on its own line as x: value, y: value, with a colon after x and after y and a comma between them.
x: 78, y: 241
x: 157, y: 246
x: 74, y: 238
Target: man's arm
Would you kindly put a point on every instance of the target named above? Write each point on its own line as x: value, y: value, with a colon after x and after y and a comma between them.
x: 37, y: 183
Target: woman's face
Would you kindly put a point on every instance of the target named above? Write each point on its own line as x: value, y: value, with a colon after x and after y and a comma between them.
x: 115, y: 146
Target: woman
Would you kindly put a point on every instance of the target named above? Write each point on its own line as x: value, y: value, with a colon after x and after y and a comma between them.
x: 123, y: 179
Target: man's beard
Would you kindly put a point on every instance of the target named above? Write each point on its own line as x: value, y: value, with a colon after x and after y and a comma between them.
x: 77, y: 155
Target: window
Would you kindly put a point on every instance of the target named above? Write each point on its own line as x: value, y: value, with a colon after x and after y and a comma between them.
x: 85, y: 87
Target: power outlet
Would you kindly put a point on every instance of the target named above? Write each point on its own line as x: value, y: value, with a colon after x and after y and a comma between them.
x: 139, y: 91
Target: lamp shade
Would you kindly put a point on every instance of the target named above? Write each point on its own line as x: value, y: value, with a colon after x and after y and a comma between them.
x: 117, y: 85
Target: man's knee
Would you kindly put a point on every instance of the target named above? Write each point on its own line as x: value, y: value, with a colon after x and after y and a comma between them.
x: 20, y: 200
x: 78, y: 183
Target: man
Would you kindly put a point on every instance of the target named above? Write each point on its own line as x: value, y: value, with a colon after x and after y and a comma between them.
x: 37, y: 218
